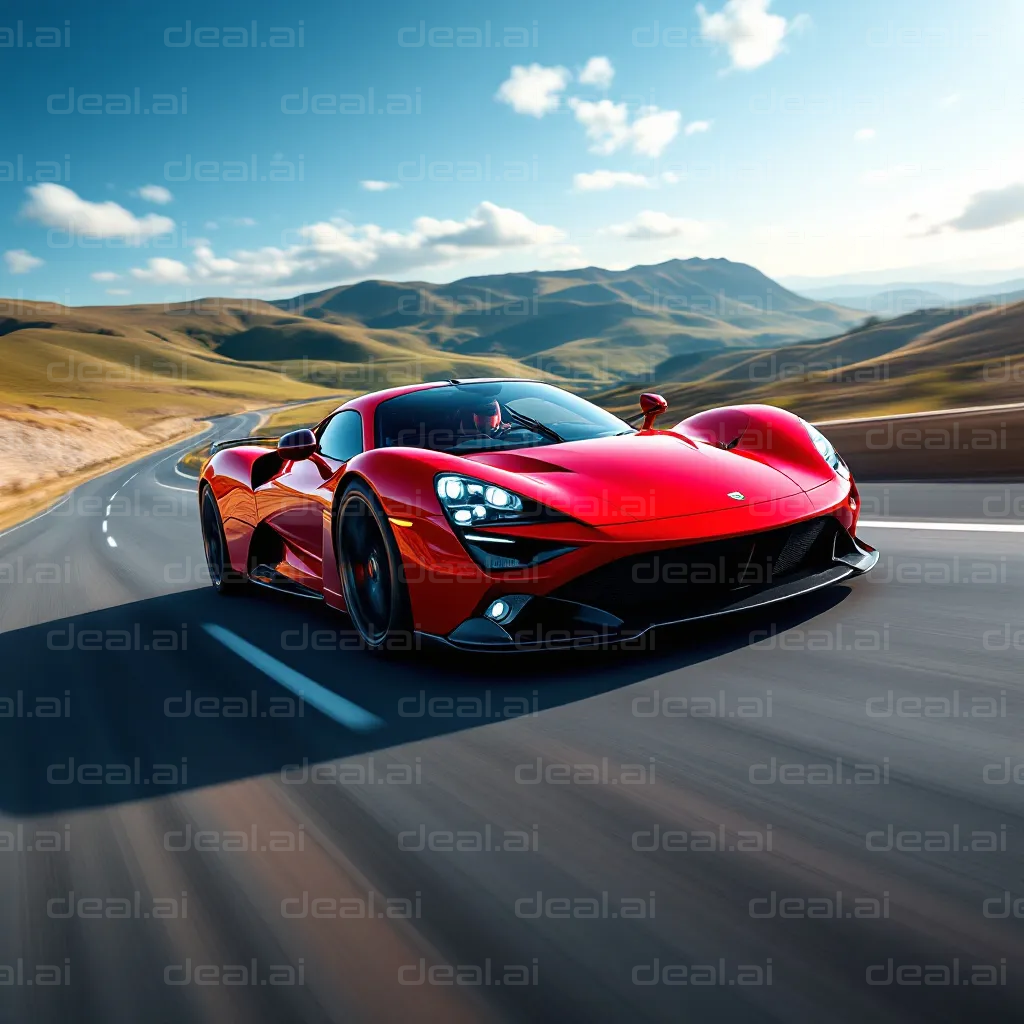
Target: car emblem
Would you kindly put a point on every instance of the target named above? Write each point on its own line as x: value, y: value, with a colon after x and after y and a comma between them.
x: 736, y: 496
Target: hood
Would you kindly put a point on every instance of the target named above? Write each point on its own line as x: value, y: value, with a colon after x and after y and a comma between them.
x: 641, y: 476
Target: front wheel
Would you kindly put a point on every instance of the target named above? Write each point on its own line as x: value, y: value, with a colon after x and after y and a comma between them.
x: 224, y: 578
x: 370, y: 567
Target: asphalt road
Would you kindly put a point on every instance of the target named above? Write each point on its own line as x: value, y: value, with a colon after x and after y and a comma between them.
x: 748, y: 822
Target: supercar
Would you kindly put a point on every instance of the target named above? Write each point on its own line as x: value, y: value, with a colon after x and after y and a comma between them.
x: 509, y: 514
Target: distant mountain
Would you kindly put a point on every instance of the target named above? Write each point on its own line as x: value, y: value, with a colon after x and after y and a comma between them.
x: 903, y: 277
x: 590, y: 324
x: 704, y: 332
x: 858, y: 296
x: 587, y: 328
x: 899, y: 300
x: 893, y: 303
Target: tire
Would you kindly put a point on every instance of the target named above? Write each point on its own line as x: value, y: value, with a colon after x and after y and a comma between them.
x: 371, y: 570
x: 223, y: 577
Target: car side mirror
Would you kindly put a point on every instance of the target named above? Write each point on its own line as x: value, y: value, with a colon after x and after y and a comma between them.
x: 297, y: 445
x: 652, y: 407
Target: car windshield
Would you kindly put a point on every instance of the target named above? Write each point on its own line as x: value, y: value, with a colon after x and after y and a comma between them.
x: 491, y: 416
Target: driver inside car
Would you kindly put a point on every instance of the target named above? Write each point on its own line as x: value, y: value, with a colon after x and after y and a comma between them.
x: 485, y: 420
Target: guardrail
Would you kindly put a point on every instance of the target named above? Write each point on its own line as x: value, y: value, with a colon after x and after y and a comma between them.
x: 982, y: 443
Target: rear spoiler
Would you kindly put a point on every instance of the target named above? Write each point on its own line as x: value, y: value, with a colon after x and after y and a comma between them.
x: 235, y: 442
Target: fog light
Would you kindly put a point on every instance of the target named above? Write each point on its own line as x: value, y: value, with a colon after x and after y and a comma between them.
x: 505, y: 609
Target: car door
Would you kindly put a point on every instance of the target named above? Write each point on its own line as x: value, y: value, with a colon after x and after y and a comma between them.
x: 293, y: 501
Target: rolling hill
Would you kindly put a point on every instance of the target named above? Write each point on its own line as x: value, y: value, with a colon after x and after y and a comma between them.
x: 141, y: 364
x: 591, y: 328
x: 930, y: 359
x: 702, y: 331
x: 590, y: 325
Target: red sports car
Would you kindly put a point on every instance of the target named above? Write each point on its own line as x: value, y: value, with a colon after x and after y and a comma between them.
x: 510, y: 514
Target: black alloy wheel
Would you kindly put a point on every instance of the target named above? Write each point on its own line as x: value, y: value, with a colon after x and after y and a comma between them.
x: 224, y: 578
x: 370, y: 567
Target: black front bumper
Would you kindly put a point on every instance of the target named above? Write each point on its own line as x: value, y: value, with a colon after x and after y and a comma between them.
x: 623, y: 600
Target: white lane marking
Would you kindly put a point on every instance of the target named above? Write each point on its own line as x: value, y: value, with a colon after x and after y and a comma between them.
x: 886, y: 524
x: 187, y: 476
x: 112, y: 542
x: 67, y: 497
x: 104, y: 526
x: 174, y: 487
x: 107, y: 513
x: 350, y: 715
x: 52, y: 508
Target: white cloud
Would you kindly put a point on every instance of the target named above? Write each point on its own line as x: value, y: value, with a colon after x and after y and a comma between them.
x: 602, y: 181
x: 155, y: 194
x: 161, y: 270
x: 609, y: 128
x: 752, y: 36
x: 653, y: 130
x: 864, y: 135
x: 56, y: 206
x: 118, y: 291
x: 598, y: 71
x: 489, y: 227
x: 950, y: 101
x: 21, y: 261
x: 651, y: 224
x: 697, y: 127
x: 105, y: 275
x: 337, y: 250
x: 211, y: 225
x: 606, y: 123
x: 992, y: 208
x: 533, y: 90
x: 377, y: 186
x: 243, y: 222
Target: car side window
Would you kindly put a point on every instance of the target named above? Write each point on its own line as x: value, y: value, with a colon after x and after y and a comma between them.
x: 342, y: 438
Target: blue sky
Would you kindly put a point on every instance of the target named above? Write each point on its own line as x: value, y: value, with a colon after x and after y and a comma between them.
x: 808, y: 137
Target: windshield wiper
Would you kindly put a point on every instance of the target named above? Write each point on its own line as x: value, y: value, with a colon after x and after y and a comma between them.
x: 535, y: 425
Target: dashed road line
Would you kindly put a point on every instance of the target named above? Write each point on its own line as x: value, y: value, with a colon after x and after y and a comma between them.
x: 343, y: 711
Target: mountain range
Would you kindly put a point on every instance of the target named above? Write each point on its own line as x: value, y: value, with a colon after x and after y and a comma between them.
x: 704, y: 331
x: 899, y: 298
x: 590, y: 325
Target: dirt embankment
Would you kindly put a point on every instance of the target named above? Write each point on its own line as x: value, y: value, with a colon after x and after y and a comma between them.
x: 45, y: 452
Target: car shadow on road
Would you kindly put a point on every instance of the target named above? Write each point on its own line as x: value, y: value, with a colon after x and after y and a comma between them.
x: 139, y: 701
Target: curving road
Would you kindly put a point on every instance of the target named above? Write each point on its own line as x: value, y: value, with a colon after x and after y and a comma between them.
x: 810, y: 814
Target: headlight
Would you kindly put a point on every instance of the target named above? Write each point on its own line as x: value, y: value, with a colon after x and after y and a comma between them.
x: 472, y: 502
x: 826, y: 451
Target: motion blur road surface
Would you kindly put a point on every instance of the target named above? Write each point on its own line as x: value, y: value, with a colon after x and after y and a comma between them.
x: 812, y: 813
